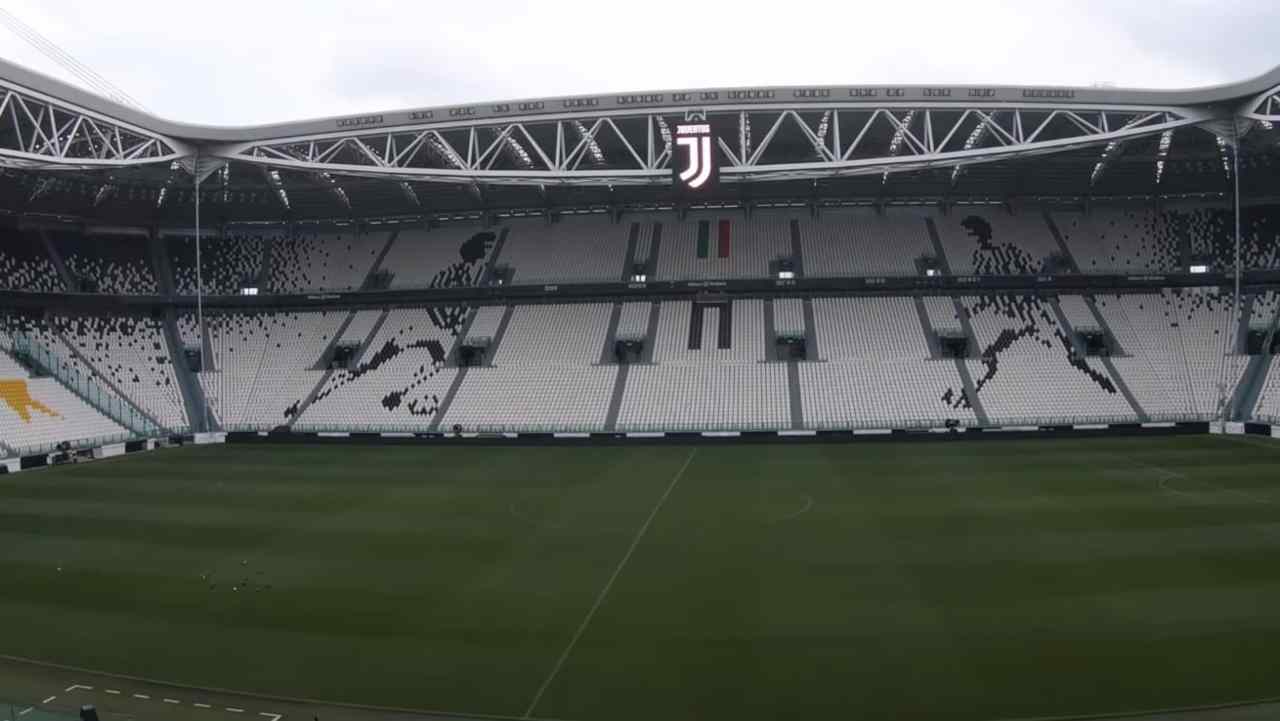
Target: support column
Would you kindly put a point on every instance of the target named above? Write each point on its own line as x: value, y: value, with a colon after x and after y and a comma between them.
x: 797, y: 248
x: 937, y: 246
x: 1112, y: 371
x: 56, y: 258
x: 971, y: 392
x: 1062, y: 244
x: 377, y: 264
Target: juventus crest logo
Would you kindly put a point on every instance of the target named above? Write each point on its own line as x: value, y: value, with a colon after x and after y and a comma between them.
x: 695, y: 139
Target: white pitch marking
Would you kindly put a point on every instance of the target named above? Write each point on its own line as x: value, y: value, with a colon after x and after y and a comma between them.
x: 49, y: 700
x: 202, y: 705
x: 635, y: 541
x: 112, y: 691
x: 142, y: 696
x: 1168, y: 475
x: 171, y: 700
x: 808, y: 504
x: 235, y: 710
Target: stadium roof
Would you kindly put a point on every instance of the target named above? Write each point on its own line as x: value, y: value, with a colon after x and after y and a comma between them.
x: 66, y: 151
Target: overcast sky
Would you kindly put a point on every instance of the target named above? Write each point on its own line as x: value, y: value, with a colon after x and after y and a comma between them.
x: 237, y: 62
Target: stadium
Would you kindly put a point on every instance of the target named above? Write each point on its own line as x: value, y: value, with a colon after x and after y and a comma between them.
x: 725, y: 403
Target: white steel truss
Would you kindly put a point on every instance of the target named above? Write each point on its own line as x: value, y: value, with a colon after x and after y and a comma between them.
x: 42, y: 133
x: 1265, y: 108
x: 778, y: 142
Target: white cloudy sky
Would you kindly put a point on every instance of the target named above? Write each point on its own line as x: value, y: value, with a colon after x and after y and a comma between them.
x: 248, y: 61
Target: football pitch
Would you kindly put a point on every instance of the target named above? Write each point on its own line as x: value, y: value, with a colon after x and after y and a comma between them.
x: 964, y: 580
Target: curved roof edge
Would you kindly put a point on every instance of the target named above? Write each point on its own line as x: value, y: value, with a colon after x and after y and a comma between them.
x: 23, y: 78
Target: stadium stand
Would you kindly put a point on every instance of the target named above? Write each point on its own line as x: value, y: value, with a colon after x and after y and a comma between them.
x: 265, y: 364
x: 1176, y: 354
x: 131, y: 354
x: 941, y: 311
x: 25, y: 264
x: 447, y: 257
x: 227, y: 264
x: 861, y: 242
x: 1131, y: 240
x: 1268, y: 406
x: 545, y: 374
x: 400, y: 379
x: 1030, y: 371
x: 990, y: 241
x: 708, y: 245
x: 318, y: 261
x: 633, y: 321
x: 1210, y: 232
x: 707, y: 373
x: 713, y: 364
x: 577, y: 248
x: 875, y: 369
x: 101, y: 263
x: 38, y: 413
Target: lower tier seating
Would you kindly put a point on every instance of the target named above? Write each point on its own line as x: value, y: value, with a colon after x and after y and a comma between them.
x: 37, y: 414
x: 709, y: 365
x: 706, y: 397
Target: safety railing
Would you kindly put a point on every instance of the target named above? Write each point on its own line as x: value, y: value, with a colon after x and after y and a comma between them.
x: 865, y: 424
x: 36, y: 449
x: 85, y: 387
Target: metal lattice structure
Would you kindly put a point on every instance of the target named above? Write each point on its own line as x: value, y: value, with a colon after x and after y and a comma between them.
x: 39, y: 132
x: 636, y: 148
x: 1266, y: 109
x: 65, y: 150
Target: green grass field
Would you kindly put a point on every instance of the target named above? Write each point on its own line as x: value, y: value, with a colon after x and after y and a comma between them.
x: 974, y: 580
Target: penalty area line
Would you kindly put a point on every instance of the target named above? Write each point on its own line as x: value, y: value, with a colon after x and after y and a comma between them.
x: 586, y: 621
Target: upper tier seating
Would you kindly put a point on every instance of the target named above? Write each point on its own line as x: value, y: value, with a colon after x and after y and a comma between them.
x: 131, y: 353
x: 332, y: 260
x: 451, y: 256
x: 1108, y: 240
x: 861, y: 242
x: 25, y: 264
x: 989, y: 241
x: 227, y: 264
x: 577, y: 249
x: 545, y: 374
x: 1211, y: 235
x: 1141, y: 240
x: 1263, y: 313
x: 709, y: 245
x: 116, y: 264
